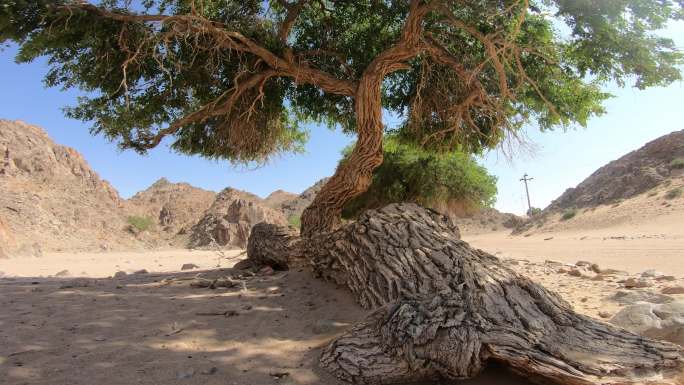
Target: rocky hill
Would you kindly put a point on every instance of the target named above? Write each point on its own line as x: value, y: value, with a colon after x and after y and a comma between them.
x: 173, y: 207
x: 628, y: 176
x: 230, y: 218
x: 51, y: 200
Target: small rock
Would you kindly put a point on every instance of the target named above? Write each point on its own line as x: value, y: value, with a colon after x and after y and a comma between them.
x: 120, y: 274
x: 636, y: 283
x: 575, y: 273
x: 279, y: 375
x: 630, y: 297
x: 651, y: 273
x: 189, y: 266
x: 673, y: 290
x: 63, y: 273
x: 266, y: 270
x: 209, y: 372
x: 185, y: 374
x: 100, y: 339
x: 604, y: 314
x: 667, y: 278
x: 140, y: 272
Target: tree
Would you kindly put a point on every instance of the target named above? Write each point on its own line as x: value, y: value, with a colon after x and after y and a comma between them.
x: 232, y: 80
x: 450, y: 181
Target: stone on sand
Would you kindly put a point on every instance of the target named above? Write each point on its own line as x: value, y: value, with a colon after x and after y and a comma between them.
x: 659, y: 321
x: 625, y: 297
x: 673, y: 290
x: 189, y: 266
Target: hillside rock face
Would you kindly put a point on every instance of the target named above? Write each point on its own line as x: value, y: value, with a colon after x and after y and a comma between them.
x: 632, y: 174
x: 230, y: 219
x: 294, y: 206
x: 51, y: 200
x: 174, y: 208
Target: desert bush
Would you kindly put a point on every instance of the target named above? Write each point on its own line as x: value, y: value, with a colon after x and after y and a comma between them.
x: 677, y: 163
x: 568, y: 214
x: 448, y: 181
x: 140, y: 223
x: 674, y: 193
x: 295, y: 221
x: 534, y: 211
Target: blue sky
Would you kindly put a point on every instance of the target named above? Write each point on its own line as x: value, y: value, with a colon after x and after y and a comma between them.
x: 558, y: 161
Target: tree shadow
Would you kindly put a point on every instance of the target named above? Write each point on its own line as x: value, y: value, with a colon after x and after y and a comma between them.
x: 157, y: 329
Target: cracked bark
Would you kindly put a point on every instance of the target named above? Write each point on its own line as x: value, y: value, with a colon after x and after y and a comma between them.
x: 443, y: 310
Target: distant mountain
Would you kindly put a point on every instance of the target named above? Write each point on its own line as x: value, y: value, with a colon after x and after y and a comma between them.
x: 630, y: 175
x: 230, y: 218
x: 51, y: 200
x: 174, y: 208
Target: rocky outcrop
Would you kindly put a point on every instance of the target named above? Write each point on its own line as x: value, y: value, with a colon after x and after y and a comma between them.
x: 295, y: 206
x: 50, y: 198
x: 230, y: 218
x: 632, y: 174
x: 174, y: 208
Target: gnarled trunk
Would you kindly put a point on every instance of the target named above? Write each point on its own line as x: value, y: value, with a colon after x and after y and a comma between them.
x: 443, y: 310
x: 354, y: 176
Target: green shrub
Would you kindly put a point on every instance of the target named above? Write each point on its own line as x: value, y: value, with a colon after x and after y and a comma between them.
x: 449, y: 181
x: 568, y: 214
x: 295, y: 221
x: 674, y: 193
x: 534, y: 211
x: 677, y: 163
x: 140, y: 223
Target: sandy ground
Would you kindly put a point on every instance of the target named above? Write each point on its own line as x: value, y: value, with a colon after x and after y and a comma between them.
x: 154, y: 328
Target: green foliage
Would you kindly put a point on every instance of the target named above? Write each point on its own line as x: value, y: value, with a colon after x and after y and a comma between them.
x: 674, y: 193
x: 677, y: 163
x: 295, y: 221
x: 140, y: 223
x: 568, y: 214
x: 143, y: 77
x: 451, y: 180
x: 534, y: 211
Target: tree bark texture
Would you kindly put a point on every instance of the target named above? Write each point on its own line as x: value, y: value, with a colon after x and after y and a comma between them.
x: 443, y: 310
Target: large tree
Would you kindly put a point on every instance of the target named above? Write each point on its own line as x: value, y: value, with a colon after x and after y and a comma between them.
x: 232, y: 80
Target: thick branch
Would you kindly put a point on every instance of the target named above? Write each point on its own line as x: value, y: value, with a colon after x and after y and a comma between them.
x: 236, y: 41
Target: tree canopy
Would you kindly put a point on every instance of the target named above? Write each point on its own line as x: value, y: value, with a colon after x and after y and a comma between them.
x: 450, y: 181
x: 234, y: 79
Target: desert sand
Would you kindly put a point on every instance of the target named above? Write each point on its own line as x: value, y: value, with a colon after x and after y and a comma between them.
x: 155, y: 328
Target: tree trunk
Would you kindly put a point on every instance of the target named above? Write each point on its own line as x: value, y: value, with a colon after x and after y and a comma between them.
x: 443, y: 310
x: 352, y: 177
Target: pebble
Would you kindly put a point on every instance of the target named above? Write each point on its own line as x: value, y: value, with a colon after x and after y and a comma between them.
x: 189, y: 266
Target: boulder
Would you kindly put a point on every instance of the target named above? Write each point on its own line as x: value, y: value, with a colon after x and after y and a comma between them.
x: 659, y: 321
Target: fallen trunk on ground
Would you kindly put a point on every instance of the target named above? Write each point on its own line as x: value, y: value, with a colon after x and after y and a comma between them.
x: 444, y: 309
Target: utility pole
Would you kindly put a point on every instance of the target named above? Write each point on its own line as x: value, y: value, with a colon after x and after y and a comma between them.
x: 525, y: 179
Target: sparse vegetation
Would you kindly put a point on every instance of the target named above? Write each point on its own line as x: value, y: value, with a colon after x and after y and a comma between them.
x: 568, y: 214
x: 140, y: 223
x: 534, y: 211
x: 294, y: 221
x: 674, y: 193
x: 677, y: 163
